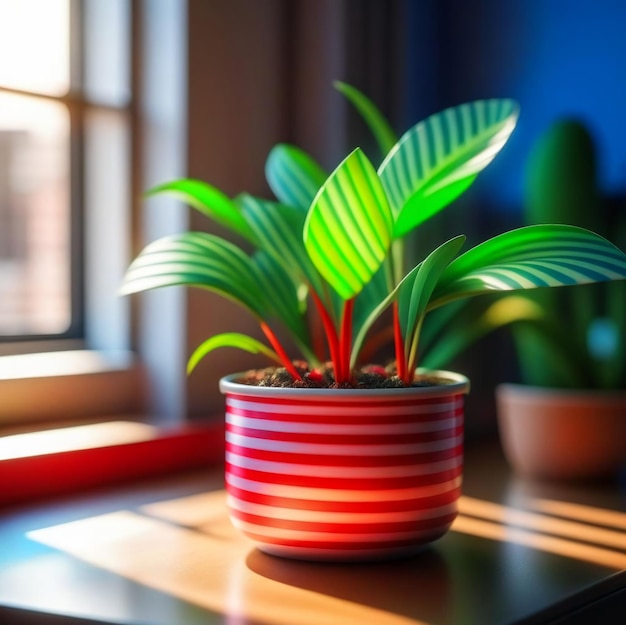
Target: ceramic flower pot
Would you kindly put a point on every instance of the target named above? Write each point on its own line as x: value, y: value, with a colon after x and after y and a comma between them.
x: 562, y: 434
x: 344, y: 474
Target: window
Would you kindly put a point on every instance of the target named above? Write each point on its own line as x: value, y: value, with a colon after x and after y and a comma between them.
x: 83, y: 369
x: 64, y: 153
x: 66, y: 185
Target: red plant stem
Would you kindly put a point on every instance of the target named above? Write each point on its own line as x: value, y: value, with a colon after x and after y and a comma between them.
x: 412, y: 358
x: 278, y: 348
x: 346, y: 341
x: 329, y: 328
x: 399, y: 344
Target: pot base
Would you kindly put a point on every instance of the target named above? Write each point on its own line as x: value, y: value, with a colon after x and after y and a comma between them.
x: 364, y: 555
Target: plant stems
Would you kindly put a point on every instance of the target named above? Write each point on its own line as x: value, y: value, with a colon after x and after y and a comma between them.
x: 278, y: 348
x: 399, y: 343
x: 345, y: 343
x: 329, y: 328
x: 412, y: 358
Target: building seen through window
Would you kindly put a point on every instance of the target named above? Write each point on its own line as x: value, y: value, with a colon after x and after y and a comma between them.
x: 63, y: 76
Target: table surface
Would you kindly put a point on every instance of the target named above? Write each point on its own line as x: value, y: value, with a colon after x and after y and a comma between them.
x: 164, y: 553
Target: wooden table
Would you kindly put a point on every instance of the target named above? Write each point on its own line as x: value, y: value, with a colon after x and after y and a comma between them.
x: 164, y: 553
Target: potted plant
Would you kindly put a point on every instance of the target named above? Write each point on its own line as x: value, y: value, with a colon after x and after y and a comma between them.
x: 326, y: 458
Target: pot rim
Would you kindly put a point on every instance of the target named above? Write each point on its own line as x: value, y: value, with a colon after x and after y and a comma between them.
x: 549, y: 392
x: 458, y: 384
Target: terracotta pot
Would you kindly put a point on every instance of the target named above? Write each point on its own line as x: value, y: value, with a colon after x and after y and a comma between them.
x: 329, y: 474
x: 562, y: 434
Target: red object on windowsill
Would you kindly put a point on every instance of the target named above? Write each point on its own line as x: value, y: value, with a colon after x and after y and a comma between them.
x: 132, y: 453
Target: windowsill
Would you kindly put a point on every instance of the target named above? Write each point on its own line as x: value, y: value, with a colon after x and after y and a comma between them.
x: 73, y: 420
x: 63, y: 363
x: 68, y: 385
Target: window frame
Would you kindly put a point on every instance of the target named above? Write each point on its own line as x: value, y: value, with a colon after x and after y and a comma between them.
x: 153, y: 372
x: 79, y: 106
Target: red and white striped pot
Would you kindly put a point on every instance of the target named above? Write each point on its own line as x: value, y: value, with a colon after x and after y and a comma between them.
x: 330, y: 474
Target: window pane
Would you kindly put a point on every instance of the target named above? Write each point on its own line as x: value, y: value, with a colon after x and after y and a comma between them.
x: 34, y: 216
x: 34, y: 45
x: 107, y: 50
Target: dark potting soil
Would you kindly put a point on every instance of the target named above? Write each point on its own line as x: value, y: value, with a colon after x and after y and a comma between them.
x: 371, y: 376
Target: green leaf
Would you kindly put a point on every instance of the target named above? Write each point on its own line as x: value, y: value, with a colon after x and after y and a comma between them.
x: 230, y: 339
x: 293, y: 176
x: 347, y: 232
x: 530, y: 257
x: 200, y: 260
x: 416, y: 291
x: 283, y: 299
x: 209, y: 201
x: 439, y: 158
x: 278, y: 230
x: 382, y: 131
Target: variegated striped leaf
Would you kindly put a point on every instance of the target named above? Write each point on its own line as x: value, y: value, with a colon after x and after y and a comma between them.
x: 278, y: 230
x: 439, y: 158
x: 293, y: 176
x: 210, y: 201
x: 196, y: 259
x: 529, y: 257
x: 347, y: 232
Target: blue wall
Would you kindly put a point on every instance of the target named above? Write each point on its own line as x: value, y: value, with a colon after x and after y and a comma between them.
x: 556, y: 57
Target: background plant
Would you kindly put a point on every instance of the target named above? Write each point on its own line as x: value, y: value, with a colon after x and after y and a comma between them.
x: 334, y: 244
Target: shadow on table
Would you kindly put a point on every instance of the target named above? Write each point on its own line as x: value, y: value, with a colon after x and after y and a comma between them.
x: 418, y: 587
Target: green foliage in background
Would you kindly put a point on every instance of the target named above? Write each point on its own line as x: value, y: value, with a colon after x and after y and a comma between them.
x: 579, y: 340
